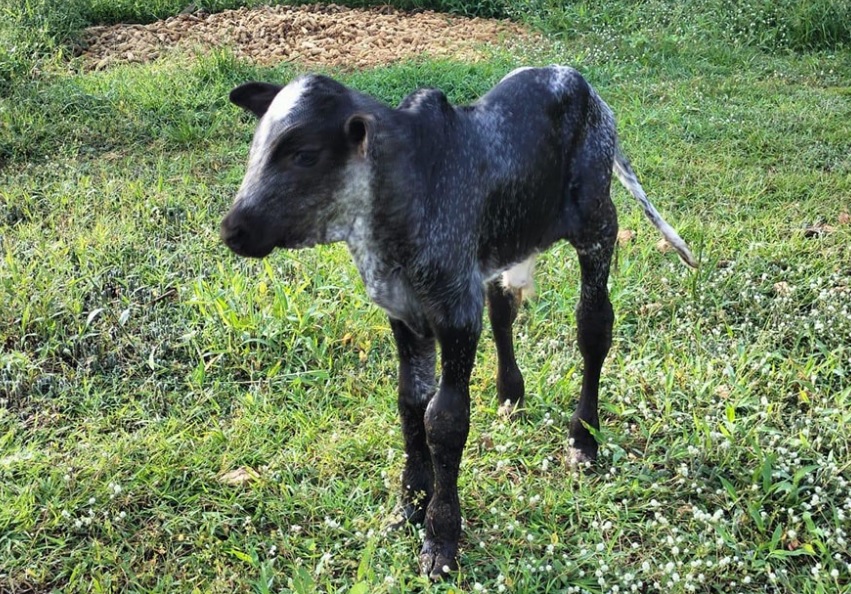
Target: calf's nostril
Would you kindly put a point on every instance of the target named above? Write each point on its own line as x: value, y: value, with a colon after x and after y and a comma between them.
x: 242, y: 236
x: 231, y: 233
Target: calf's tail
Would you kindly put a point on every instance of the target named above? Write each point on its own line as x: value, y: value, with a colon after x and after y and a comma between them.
x: 629, y: 180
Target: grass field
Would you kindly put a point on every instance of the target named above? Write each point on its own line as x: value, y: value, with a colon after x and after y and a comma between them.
x: 176, y: 419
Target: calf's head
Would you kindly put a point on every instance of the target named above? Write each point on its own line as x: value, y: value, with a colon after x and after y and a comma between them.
x: 308, y: 168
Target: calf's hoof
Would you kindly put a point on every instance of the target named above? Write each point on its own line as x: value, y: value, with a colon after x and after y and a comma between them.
x: 577, y: 458
x: 511, y: 410
x: 414, y: 513
x: 583, y: 446
x: 511, y: 391
x: 409, y: 514
x: 438, y: 561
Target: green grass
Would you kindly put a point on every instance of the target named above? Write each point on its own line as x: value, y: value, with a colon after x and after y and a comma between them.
x: 140, y: 361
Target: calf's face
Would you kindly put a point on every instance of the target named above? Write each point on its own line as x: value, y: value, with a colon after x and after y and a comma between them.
x: 307, y: 167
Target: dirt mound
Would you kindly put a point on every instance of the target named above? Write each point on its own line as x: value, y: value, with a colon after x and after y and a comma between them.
x: 315, y: 35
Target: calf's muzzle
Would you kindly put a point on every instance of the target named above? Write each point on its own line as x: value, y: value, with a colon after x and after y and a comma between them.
x: 244, y: 235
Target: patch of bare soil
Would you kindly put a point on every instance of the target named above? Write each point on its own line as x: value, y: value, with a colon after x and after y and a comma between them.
x: 314, y: 35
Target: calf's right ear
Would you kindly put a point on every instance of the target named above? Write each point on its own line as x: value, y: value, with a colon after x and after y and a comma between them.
x: 255, y: 96
x: 358, y: 130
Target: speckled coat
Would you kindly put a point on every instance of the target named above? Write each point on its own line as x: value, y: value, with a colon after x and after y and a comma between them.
x: 444, y: 208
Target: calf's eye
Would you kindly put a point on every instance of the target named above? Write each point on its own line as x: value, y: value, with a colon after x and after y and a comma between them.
x: 305, y: 158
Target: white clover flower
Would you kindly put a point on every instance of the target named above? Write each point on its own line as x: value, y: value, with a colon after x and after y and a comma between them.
x: 331, y: 523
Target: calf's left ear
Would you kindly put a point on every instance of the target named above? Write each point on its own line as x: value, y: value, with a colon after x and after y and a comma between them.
x: 358, y: 129
x: 255, y: 96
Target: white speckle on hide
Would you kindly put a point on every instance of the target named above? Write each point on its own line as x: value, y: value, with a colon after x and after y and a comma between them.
x: 564, y: 78
x: 384, y: 281
x: 591, y: 249
x: 352, y: 205
x: 515, y: 72
x: 417, y: 98
x: 424, y: 381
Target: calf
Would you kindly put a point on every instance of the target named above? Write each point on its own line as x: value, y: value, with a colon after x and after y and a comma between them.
x: 443, y: 207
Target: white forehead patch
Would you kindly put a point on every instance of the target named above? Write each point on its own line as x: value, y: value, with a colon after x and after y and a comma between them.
x: 282, y: 105
x: 287, y: 98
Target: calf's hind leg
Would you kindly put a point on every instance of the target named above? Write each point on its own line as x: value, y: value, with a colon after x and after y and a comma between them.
x: 594, y: 319
x: 502, y: 310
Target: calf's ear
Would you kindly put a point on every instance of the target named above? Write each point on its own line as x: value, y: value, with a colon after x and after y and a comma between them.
x: 359, y: 129
x: 255, y: 96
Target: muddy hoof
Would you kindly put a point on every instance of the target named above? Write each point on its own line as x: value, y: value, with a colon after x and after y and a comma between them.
x: 437, y: 562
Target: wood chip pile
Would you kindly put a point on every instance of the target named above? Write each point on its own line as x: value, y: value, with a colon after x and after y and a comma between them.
x: 315, y: 35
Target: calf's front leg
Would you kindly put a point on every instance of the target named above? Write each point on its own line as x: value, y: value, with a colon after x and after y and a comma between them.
x: 447, y: 423
x: 416, y: 387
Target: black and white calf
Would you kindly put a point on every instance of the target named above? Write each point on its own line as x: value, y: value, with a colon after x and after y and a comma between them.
x: 442, y: 208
